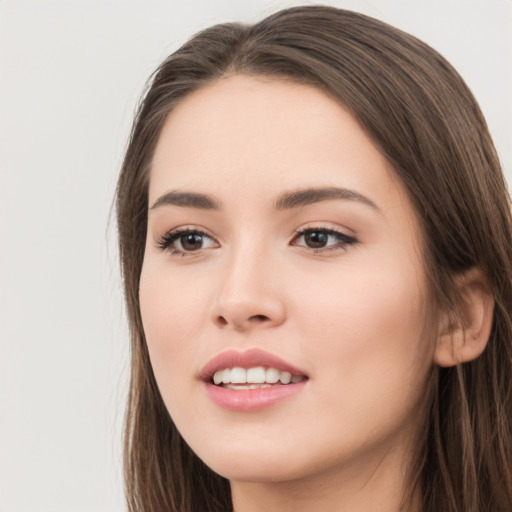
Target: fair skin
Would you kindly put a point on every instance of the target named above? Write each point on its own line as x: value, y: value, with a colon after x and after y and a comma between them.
x: 332, y: 284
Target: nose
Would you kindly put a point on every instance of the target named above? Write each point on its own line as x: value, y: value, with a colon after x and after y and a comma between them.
x: 248, y: 295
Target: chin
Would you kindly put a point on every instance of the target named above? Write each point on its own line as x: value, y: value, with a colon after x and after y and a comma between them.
x: 255, y: 462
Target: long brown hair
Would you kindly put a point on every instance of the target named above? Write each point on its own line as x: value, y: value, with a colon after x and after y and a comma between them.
x: 420, y: 114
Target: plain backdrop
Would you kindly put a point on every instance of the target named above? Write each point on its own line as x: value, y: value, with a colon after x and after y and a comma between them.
x: 71, y: 73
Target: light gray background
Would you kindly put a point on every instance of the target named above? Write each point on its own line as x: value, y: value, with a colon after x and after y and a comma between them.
x: 70, y: 75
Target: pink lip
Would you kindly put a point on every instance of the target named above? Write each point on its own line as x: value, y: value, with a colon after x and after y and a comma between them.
x: 249, y: 399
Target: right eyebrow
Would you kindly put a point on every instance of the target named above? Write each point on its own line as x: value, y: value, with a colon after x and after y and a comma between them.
x: 188, y: 200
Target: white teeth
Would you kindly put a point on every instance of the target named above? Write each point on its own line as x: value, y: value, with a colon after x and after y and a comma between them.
x: 238, y: 375
x: 285, y: 377
x: 257, y: 375
x: 272, y: 375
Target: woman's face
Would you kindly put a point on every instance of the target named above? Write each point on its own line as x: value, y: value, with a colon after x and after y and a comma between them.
x: 280, y: 244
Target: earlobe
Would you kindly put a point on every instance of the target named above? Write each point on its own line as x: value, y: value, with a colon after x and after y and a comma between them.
x: 464, y: 336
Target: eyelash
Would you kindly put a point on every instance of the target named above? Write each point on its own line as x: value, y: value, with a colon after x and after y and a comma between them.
x: 166, y: 241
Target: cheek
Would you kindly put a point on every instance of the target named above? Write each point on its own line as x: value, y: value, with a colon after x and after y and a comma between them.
x: 368, y: 319
x: 170, y: 310
x: 369, y: 359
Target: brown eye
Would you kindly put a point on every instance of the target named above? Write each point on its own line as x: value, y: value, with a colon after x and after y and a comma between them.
x: 316, y: 239
x: 191, y: 241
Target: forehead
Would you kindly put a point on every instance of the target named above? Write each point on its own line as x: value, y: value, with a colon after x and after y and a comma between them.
x: 255, y: 109
x: 257, y: 137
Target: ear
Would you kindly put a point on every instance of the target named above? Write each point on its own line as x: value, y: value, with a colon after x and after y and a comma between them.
x: 464, y: 337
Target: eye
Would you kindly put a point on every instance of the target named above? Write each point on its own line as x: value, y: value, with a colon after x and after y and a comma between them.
x: 322, y: 239
x: 186, y: 241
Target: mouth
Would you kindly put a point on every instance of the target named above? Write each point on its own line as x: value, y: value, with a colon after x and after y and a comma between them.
x: 250, y: 380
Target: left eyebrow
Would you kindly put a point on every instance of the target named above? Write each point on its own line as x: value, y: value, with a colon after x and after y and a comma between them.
x: 309, y: 196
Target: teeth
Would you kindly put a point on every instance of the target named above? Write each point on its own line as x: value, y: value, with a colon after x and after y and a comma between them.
x: 285, y: 377
x: 272, y: 375
x: 256, y: 376
x: 238, y: 375
x: 248, y: 386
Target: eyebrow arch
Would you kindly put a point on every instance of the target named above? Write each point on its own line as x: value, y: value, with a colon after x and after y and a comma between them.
x: 309, y: 196
x: 188, y: 200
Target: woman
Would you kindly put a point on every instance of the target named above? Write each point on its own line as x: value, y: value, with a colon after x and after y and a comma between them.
x: 315, y: 238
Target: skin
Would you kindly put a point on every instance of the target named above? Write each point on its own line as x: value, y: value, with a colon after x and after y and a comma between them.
x: 350, y: 315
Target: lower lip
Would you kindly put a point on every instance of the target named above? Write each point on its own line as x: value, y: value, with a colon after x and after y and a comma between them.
x: 251, y: 399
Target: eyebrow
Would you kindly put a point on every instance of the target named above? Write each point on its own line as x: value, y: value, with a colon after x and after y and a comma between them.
x: 309, y: 196
x: 286, y: 201
x: 188, y: 200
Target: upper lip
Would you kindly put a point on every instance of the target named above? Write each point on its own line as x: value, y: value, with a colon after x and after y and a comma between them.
x: 247, y: 359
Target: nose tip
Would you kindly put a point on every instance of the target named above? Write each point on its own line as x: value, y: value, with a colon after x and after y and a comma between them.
x: 246, y: 303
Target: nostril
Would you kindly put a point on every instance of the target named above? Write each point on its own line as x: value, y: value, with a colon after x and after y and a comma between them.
x: 259, y: 318
x: 241, y: 323
x: 222, y: 321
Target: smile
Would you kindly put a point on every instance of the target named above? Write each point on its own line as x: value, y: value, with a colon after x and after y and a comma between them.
x: 251, y: 380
